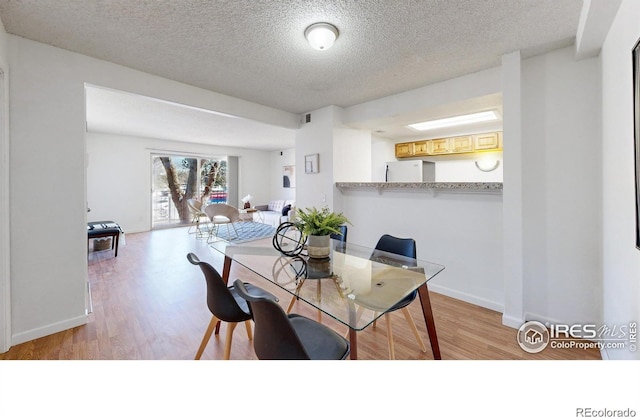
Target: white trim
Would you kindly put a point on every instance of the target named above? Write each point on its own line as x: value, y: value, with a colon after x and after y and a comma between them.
x: 49, y: 329
x: 542, y: 319
x: 511, y: 321
x: 466, y: 297
x: 5, y: 269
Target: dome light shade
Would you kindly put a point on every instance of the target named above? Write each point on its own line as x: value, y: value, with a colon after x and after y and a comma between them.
x: 321, y: 36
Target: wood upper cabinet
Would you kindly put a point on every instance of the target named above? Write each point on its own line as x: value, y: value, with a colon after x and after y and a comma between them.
x: 440, y: 146
x: 404, y: 149
x: 462, y: 144
x: 421, y: 148
x: 447, y: 146
x: 486, y: 141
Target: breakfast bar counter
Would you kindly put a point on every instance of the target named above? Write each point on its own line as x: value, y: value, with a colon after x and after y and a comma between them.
x: 495, y: 187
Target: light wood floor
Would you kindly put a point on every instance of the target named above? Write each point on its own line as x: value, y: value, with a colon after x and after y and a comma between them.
x: 149, y: 303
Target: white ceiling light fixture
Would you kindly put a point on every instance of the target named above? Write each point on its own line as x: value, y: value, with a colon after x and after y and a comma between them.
x: 484, y: 116
x: 321, y: 36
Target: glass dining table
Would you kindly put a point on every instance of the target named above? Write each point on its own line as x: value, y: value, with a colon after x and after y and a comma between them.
x: 355, y: 285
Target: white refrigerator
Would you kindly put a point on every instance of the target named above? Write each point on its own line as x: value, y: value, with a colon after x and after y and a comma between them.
x: 410, y: 171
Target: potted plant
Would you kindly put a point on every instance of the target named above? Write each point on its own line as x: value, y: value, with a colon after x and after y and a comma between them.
x: 318, y: 225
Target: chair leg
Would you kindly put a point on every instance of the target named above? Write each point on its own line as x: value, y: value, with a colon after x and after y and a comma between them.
x: 201, y: 232
x: 210, y: 231
x: 414, y: 329
x: 207, y: 335
x: 291, y: 303
x: 247, y: 325
x: 194, y: 221
x: 392, y: 352
x: 212, y: 228
x: 227, y: 343
x: 295, y: 297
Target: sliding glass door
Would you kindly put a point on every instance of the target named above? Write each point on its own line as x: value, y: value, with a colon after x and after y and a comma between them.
x: 176, y: 179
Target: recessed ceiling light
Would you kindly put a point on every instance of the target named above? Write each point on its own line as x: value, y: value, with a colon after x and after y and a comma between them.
x: 465, y: 119
x: 321, y: 36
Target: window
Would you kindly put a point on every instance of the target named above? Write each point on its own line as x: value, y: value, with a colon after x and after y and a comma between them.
x: 176, y: 179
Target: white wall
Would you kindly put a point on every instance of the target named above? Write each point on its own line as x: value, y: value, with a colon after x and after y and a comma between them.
x: 316, y: 190
x: 48, y: 174
x: 462, y: 231
x: 351, y: 154
x: 119, y: 169
x: 621, y: 260
x: 48, y: 201
x: 382, y: 151
x: 464, y: 169
x: 276, y: 191
x: 5, y: 264
x: 561, y: 188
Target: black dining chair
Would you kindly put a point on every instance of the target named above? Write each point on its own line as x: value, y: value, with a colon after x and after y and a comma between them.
x: 225, y: 305
x: 278, y: 335
x: 342, y: 238
x: 404, y: 247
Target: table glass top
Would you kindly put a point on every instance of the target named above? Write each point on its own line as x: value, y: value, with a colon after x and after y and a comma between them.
x: 355, y: 285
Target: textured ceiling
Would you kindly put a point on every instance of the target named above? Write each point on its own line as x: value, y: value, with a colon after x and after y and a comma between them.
x: 255, y: 49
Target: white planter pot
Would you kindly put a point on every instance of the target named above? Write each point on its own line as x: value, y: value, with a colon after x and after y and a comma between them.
x: 319, y: 246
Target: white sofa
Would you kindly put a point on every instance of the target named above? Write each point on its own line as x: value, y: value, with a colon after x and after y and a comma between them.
x: 271, y: 213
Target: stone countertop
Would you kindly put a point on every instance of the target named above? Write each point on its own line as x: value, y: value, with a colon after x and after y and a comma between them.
x: 432, y: 186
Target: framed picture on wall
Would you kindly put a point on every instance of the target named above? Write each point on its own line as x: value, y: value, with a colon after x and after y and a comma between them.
x: 311, y: 164
x: 636, y: 132
x: 289, y: 176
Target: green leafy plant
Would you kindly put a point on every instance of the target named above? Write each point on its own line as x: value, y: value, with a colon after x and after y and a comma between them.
x: 311, y: 221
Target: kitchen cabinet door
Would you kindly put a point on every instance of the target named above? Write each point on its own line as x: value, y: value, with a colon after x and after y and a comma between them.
x: 462, y: 144
x: 421, y: 148
x: 440, y: 146
x: 404, y: 149
x: 486, y: 141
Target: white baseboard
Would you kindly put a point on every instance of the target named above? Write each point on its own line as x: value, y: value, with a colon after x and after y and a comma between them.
x: 466, y: 297
x: 512, y: 321
x: 48, y: 330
